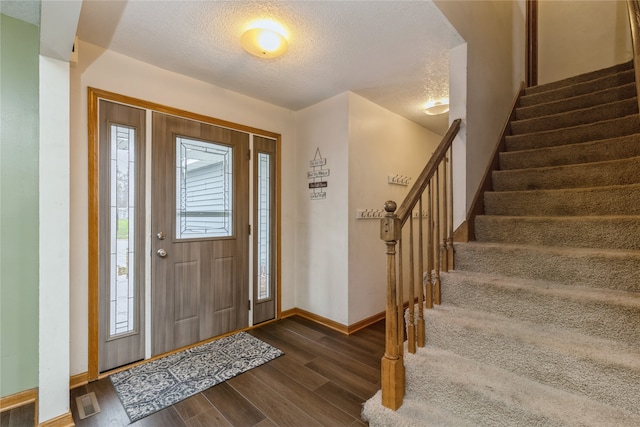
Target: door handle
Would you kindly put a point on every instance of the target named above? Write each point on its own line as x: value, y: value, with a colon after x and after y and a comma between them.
x: 161, y: 235
x: 161, y: 253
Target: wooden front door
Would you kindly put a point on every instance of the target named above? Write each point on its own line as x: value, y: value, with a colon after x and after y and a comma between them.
x: 199, y: 231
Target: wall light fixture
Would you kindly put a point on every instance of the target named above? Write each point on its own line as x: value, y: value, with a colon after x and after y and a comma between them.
x: 434, y: 108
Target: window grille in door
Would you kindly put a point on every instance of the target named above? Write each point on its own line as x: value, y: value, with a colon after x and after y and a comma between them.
x: 122, y: 280
x: 204, y: 187
x: 264, y: 226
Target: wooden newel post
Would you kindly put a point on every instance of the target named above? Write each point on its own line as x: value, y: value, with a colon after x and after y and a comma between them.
x: 392, y: 375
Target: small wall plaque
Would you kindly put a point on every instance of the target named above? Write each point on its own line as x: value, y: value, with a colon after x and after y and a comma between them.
x: 316, y: 174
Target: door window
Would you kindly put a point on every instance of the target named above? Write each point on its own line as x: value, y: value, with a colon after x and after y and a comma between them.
x: 204, y: 189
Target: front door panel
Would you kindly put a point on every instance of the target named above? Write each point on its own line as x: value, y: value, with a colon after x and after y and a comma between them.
x: 199, y: 223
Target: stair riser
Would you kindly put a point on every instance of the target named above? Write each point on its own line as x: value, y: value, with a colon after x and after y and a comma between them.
x: 603, y: 83
x: 578, y: 102
x: 582, y: 232
x: 587, y: 152
x: 619, y: 271
x: 592, y: 201
x: 615, y: 385
x: 619, y: 172
x: 589, y: 76
x: 576, y: 118
x: 583, y: 316
x: 598, y: 131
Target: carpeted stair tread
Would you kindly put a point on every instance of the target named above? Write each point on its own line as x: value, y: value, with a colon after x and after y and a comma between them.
x: 606, y: 232
x: 588, y: 311
x: 592, y: 99
x: 550, y: 356
x: 585, y: 152
x: 586, y: 267
x: 580, y: 78
x: 605, y: 129
x: 596, y: 174
x: 610, y: 200
x: 484, y: 395
x: 581, y: 88
x: 576, y: 117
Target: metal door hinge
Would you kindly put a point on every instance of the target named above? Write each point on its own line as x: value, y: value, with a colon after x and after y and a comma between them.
x: 249, y: 229
x: 249, y: 305
x: 249, y: 154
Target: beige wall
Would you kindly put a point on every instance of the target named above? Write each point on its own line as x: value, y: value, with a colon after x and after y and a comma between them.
x: 322, y: 238
x: 381, y: 143
x: 341, y: 265
x: 580, y: 36
x: 494, y: 32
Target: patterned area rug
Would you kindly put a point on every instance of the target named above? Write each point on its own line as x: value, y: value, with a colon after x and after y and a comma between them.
x: 148, y: 388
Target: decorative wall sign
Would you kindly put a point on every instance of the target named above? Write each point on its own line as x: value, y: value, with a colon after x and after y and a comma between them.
x: 316, y: 174
x: 319, y: 184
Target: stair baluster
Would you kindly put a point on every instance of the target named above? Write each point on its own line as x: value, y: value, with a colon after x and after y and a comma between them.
x: 420, y: 329
x: 450, y: 257
x: 400, y: 301
x: 411, y: 331
x: 429, y: 281
x: 436, y: 229
x: 443, y: 244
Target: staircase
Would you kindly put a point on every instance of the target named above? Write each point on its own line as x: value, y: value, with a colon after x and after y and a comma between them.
x: 540, y: 321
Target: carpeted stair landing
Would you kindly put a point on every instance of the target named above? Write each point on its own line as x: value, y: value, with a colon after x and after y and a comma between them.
x: 540, y: 321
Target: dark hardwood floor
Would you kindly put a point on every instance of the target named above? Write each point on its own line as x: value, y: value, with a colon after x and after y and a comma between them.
x: 323, y: 379
x: 22, y: 416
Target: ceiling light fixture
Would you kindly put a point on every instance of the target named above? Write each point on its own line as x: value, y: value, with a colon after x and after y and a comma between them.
x: 434, y: 108
x: 265, y: 39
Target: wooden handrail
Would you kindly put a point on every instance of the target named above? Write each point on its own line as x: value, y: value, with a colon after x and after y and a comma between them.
x: 633, y: 6
x: 404, y: 211
x: 439, y: 233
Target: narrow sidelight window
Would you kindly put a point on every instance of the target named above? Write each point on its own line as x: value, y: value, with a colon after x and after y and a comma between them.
x: 264, y: 226
x: 122, y: 278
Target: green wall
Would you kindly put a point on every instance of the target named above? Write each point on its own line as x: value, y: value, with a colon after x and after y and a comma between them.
x: 19, y: 122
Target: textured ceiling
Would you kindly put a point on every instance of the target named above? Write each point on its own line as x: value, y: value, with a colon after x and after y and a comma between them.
x: 394, y: 53
x: 24, y: 10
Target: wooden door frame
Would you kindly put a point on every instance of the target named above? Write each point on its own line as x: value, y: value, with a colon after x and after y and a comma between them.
x: 531, y: 58
x: 94, y: 95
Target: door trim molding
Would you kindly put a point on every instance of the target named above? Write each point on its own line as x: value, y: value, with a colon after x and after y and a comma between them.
x: 94, y: 95
x: 531, y: 58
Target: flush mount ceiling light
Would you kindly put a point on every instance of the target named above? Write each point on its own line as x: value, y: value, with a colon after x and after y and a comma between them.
x: 434, y: 108
x: 265, y: 39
